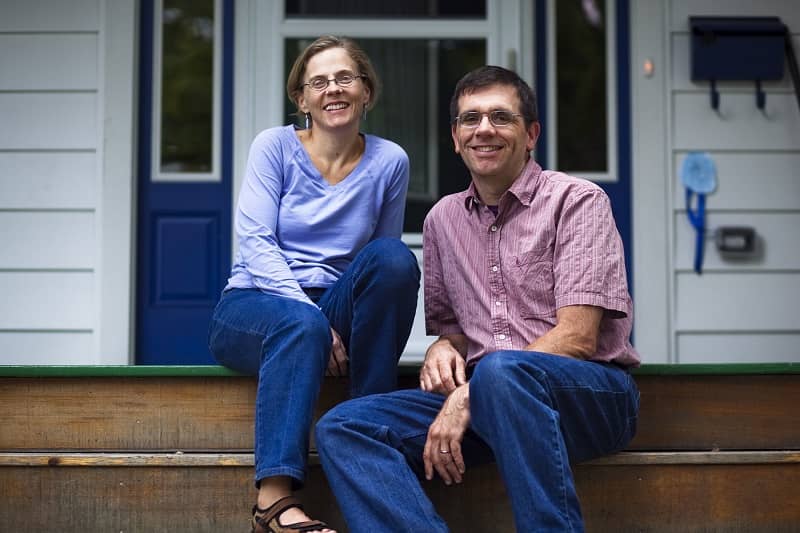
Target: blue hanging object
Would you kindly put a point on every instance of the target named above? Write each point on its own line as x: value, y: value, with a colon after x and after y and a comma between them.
x: 699, y: 176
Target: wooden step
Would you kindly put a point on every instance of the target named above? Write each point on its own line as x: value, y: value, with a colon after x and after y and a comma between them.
x: 203, y: 492
x: 211, y: 408
x: 170, y: 449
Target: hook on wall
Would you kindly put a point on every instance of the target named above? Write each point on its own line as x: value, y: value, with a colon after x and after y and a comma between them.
x: 714, y: 96
x: 761, y: 97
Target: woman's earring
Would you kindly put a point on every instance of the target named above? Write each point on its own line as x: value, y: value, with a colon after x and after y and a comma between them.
x: 364, y: 116
x: 308, y: 120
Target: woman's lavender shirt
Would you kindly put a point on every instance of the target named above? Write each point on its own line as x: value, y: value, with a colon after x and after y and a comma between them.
x: 295, y: 229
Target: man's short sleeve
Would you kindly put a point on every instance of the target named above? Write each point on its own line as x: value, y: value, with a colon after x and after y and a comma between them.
x: 589, y: 262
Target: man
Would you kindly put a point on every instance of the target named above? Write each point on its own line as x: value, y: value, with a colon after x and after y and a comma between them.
x: 525, y: 286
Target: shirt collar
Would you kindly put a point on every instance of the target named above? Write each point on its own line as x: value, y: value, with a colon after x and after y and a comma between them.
x: 471, y: 198
x: 523, y: 188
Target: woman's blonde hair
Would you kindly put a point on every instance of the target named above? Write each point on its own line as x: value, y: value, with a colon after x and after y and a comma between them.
x: 294, y: 83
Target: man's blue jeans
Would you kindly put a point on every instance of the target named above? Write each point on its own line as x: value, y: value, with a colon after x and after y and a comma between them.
x: 287, y: 344
x: 532, y: 413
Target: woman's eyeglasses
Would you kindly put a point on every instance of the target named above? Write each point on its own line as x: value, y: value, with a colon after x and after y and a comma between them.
x: 344, y: 79
x: 499, y: 118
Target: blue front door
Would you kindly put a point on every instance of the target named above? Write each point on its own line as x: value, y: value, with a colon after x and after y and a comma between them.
x: 184, y: 179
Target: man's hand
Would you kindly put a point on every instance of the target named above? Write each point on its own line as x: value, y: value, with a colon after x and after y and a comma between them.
x: 337, y: 365
x: 443, y: 447
x: 444, y: 368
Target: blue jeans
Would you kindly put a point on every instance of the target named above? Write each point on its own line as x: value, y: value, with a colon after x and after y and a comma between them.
x: 287, y: 344
x: 532, y: 413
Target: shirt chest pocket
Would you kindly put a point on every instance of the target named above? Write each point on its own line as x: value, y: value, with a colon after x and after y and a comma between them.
x: 534, y: 283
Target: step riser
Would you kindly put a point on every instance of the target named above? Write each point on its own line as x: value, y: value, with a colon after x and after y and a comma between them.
x: 657, y: 498
x: 201, y: 413
x: 693, y: 488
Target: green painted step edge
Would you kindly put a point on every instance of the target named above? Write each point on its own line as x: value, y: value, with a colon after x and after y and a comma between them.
x: 404, y: 370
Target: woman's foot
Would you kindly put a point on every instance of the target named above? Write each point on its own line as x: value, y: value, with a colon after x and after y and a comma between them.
x: 286, y: 515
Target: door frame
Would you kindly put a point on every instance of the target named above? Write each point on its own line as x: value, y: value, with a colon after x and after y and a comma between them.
x: 651, y: 168
x: 116, y: 217
x: 261, y: 27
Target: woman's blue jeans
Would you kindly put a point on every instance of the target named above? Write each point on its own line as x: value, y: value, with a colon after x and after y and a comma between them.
x: 532, y: 413
x: 287, y: 344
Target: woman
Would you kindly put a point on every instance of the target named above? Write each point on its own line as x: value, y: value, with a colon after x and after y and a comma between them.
x: 321, y: 280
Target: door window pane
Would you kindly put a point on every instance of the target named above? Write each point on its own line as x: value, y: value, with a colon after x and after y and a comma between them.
x: 377, y: 9
x: 418, y: 77
x: 581, y: 86
x: 187, y: 86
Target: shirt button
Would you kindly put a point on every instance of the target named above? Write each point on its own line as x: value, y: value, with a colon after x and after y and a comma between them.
x: 501, y: 337
x: 494, y: 268
x: 494, y: 228
x: 498, y: 304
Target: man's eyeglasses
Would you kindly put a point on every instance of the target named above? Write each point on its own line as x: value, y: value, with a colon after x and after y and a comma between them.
x: 345, y: 79
x: 499, y: 118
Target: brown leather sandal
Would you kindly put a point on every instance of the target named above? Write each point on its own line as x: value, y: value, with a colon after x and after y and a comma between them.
x: 266, y: 520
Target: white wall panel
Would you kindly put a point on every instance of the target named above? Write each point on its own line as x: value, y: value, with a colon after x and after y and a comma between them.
x: 738, y: 348
x: 47, y: 348
x: 787, y: 10
x: 47, y: 240
x: 116, y: 269
x: 47, y: 300
x: 737, y: 310
x: 66, y: 61
x: 740, y: 125
x: 650, y: 158
x: 49, y: 15
x: 777, y: 237
x: 47, y: 180
x: 749, y: 180
x: 681, y: 72
x: 48, y: 121
x: 737, y: 302
x: 418, y: 341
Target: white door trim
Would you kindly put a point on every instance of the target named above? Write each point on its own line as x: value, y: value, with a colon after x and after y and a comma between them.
x: 650, y: 181
x: 116, y: 184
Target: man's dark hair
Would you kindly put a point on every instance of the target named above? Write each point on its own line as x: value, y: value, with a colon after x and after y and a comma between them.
x: 487, y: 76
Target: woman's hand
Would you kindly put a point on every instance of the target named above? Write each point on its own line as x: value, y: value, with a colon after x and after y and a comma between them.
x: 337, y: 365
x: 443, y: 447
x: 444, y: 368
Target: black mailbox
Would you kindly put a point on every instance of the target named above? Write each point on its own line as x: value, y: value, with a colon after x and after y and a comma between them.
x: 738, y: 48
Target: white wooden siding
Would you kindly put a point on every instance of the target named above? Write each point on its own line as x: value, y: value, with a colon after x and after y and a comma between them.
x: 777, y: 241
x: 48, y: 240
x: 62, y: 61
x: 739, y: 125
x: 47, y: 348
x: 48, y: 180
x: 49, y: 15
x: 47, y: 301
x: 739, y: 309
x: 728, y: 346
x: 749, y: 180
x: 51, y: 135
x: 48, y: 121
x: 738, y: 301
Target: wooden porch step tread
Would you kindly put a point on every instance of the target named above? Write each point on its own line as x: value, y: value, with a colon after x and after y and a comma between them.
x: 237, y: 459
x: 405, y: 369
